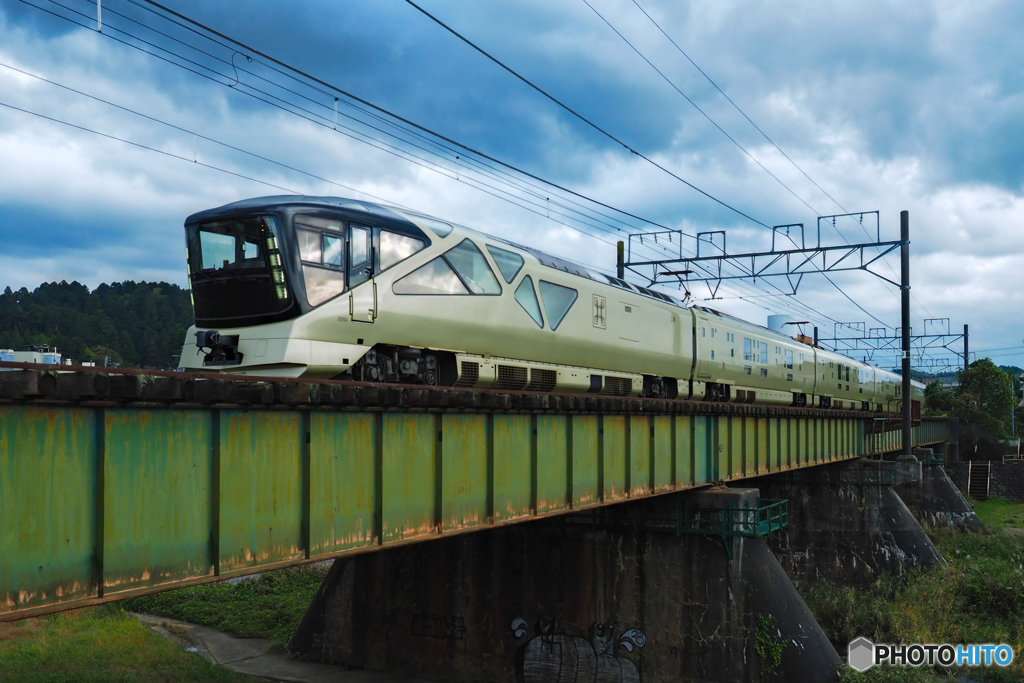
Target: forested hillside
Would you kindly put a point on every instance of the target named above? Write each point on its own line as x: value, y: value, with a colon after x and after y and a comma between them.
x: 134, y: 323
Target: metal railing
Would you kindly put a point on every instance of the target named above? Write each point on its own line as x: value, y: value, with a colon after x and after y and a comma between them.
x: 750, y: 522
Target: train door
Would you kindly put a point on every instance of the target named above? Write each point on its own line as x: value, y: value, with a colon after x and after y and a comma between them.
x: 362, y: 288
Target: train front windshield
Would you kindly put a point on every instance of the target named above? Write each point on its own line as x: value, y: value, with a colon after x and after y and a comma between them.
x: 236, y: 272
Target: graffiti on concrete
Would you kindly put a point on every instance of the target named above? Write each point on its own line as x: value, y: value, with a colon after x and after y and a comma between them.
x: 554, y: 656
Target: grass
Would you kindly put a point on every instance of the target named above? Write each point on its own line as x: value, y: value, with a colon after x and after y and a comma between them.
x: 1000, y: 512
x: 97, y: 644
x: 269, y: 606
x: 978, y: 598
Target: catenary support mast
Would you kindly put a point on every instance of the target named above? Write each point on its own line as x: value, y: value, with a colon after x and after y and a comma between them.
x: 905, y: 289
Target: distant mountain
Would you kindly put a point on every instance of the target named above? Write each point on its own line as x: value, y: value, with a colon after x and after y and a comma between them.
x: 134, y: 323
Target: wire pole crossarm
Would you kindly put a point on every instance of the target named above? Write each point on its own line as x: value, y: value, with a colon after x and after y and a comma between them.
x: 776, y: 263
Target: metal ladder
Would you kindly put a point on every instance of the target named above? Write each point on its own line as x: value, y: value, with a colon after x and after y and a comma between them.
x: 978, y: 485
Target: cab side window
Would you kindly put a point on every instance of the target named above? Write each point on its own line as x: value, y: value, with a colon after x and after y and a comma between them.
x: 322, y: 252
x: 360, y: 244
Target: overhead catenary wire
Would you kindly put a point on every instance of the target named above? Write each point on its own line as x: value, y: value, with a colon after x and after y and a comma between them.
x: 698, y: 108
x: 765, y: 135
x: 222, y: 83
x: 579, y: 116
x: 487, y: 170
x: 398, y: 117
x: 271, y: 161
x: 726, y: 134
x: 201, y: 66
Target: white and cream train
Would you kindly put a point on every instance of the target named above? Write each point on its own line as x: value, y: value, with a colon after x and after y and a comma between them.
x: 332, y: 288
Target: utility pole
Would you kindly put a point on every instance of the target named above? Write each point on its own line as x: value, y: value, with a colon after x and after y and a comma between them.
x: 967, y: 357
x: 905, y: 289
x: 620, y: 260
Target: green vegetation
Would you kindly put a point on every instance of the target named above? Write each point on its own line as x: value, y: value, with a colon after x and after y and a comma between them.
x: 269, y: 606
x: 1000, y: 512
x: 101, y: 644
x: 981, y: 400
x: 768, y: 644
x: 978, y: 598
x: 134, y: 323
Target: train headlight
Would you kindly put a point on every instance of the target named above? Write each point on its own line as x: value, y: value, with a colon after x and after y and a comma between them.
x: 276, y: 269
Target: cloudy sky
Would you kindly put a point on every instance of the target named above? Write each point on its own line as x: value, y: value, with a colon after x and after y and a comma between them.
x: 878, y: 106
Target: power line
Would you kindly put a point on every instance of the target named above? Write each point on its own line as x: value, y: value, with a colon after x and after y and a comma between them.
x: 487, y: 170
x: 697, y: 107
x: 236, y: 84
x: 577, y: 114
x: 148, y: 148
x: 736, y: 106
x: 763, y: 134
x: 394, y: 115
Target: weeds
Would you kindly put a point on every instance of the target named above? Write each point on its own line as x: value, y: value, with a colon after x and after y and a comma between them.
x: 978, y: 598
x: 268, y: 606
x: 97, y: 644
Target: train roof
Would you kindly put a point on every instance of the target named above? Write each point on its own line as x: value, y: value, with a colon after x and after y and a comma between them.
x: 391, y: 213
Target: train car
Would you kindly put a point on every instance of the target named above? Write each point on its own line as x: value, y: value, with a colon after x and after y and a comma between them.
x: 326, y: 287
x: 323, y: 287
x: 745, y: 363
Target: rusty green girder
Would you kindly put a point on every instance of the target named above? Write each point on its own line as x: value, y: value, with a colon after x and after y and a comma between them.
x: 101, y: 502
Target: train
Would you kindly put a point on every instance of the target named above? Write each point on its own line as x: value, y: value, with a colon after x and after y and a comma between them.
x: 336, y: 288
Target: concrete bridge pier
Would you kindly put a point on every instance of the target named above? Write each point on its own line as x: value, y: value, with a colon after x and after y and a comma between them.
x: 611, y: 594
x: 934, y: 499
x: 847, y: 523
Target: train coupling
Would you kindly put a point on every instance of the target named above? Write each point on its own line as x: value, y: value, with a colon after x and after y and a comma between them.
x: 220, y: 349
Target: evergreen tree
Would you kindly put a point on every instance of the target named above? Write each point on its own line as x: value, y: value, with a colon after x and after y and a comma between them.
x: 137, y: 324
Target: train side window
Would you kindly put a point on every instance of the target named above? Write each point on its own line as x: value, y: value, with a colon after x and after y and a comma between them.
x: 509, y: 263
x: 764, y: 372
x: 712, y: 354
x: 527, y: 298
x: 764, y: 352
x: 395, y: 248
x: 732, y: 353
x: 557, y: 301
x: 472, y: 267
x: 435, y: 277
x: 789, y: 359
x: 333, y: 251
x: 309, y: 246
x: 360, y: 244
x: 322, y: 283
x: 746, y: 349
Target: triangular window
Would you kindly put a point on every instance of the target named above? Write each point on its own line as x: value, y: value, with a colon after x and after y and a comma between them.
x: 436, y: 277
x: 509, y: 263
x: 527, y: 298
x: 557, y: 301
